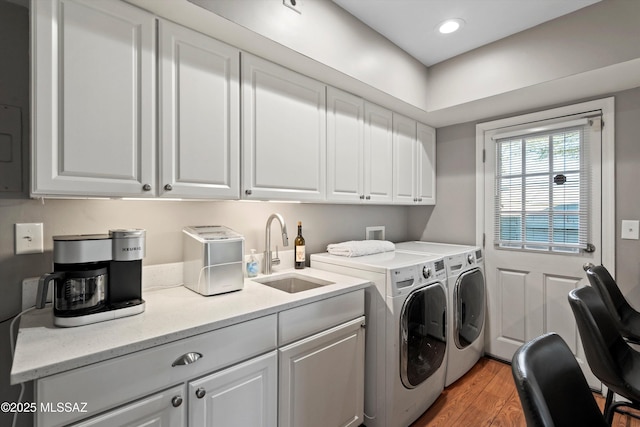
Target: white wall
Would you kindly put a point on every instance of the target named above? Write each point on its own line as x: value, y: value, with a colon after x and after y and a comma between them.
x: 323, y: 42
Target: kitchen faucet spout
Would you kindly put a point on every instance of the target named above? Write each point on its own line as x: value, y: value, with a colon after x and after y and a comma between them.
x: 268, y: 260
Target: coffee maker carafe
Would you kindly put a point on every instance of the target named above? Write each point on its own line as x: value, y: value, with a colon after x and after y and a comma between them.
x: 96, y: 277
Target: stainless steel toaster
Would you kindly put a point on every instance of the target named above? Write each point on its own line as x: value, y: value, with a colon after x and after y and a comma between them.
x: 213, y: 259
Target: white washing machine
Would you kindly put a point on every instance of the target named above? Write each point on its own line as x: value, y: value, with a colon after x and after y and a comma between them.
x: 467, y: 302
x: 406, y: 337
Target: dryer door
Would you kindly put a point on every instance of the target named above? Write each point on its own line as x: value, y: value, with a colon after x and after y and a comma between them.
x: 469, y: 297
x: 422, y: 334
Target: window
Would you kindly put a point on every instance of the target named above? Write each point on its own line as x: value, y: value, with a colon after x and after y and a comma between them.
x: 542, y: 189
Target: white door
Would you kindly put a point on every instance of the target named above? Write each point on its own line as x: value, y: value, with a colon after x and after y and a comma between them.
x: 239, y: 396
x: 94, y: 99
x: 404, y: 164
x: 284, y: 133
x: 540, y: 180
x: 322, y: 379
x: 163, y: 409
x: 345, y: 146
x: 378, y: 154
x: 199, y: 114
x: 426, y: 165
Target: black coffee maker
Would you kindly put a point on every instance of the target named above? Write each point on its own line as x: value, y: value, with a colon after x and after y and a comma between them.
x: 96, y: 277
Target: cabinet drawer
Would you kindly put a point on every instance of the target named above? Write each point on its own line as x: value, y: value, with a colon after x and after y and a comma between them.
x: 107, y: 384
x: 300, y: 322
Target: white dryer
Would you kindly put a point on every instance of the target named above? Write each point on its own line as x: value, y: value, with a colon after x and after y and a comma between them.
x: 406, y: 337
x: 467, y: 302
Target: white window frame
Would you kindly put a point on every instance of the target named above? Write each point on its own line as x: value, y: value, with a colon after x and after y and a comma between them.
x: 607, y: 107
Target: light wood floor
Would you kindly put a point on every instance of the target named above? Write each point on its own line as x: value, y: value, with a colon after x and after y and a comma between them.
x: 486, y: 396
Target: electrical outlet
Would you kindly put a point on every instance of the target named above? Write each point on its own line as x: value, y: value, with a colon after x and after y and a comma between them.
x: 29, y: 238
x: 293, y: 4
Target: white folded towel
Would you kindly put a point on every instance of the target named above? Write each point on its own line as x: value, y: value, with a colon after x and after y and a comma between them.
x: 360, y: 247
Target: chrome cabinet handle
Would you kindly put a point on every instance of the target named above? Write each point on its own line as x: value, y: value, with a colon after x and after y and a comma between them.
x: 168, y: 187
x: 200, y: 393
x: 186, y: 359
x: 146, y: 187
x: 176, y: 401
x: 247, y: 192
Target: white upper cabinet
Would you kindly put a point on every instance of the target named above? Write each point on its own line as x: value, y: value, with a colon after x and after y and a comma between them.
x: 414, y: 155
x: 199, y: 115
x: 378, y: 154
x: 284, y: 133
x: 359, y: 150
x: 345, y: 146
x: 93, y: 98
x: 426, y: 167
x: 404, y: 159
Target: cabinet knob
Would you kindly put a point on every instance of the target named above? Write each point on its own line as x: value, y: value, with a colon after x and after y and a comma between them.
x: 146, y: 187
x: 168, y: 187
x: 200, y: 393
x: 247, y: 192
x: 362, y: 197
x: 419, y: 199
x: 368, y: 197
x: 176, y: 401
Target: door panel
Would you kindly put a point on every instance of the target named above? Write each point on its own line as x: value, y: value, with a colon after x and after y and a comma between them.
x: 527, y: 289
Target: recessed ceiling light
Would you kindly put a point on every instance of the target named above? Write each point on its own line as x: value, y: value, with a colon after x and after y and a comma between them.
x: 450, y: 25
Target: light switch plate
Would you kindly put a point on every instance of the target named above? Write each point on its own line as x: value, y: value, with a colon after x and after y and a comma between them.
x: 29, y: 238
x: 630, y: 229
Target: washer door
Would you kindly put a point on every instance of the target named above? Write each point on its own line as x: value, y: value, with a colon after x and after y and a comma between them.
x: 422, y: 334
x: 470, y: 307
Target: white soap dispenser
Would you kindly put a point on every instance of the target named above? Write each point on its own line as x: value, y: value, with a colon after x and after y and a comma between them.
x: 252, y: 265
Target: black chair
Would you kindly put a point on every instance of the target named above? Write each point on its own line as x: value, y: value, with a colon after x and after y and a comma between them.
x: 551, y: 386
x: 610, y: 358
x: 627, y: 319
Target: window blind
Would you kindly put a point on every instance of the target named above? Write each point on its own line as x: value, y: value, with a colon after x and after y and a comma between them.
x: 542, y: 188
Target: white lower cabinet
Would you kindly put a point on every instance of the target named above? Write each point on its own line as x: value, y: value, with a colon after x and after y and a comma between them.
x: 240, y: 396
x: 322, y: 378
x: 302, y: 367
x: 158, y: 410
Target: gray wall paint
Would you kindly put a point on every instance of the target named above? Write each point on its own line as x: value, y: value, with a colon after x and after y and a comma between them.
x: 452, y: 219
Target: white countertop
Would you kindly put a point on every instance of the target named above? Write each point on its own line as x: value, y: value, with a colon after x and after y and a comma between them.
x: 43, y: 349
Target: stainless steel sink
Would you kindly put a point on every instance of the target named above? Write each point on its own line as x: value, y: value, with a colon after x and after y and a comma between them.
x: 292, y: 282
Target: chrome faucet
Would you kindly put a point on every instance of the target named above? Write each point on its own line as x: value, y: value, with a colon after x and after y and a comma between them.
x: 268, y: 260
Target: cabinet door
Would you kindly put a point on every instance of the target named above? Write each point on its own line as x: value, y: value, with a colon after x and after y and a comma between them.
x: 345, y: 146
x: 93, y: 77
x: 166, y: 408
x: 284, y: 133
x: 404, y: 164
x: 378, y: 154
x: 240, y: 396
x: 322, y: 379
x: 200, y: 116
x: 426, y: 165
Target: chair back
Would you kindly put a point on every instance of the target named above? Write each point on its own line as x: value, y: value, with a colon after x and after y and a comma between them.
x: 605, y: 349
x: 551, y: 386
x: 613, y: 299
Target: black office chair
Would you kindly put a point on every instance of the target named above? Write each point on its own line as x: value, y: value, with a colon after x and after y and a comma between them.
x: 626, y: 318
x: 551, y: 386
x: 610, y: 358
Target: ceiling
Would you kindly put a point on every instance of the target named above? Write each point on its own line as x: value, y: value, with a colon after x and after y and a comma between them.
x: 411, y: 24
